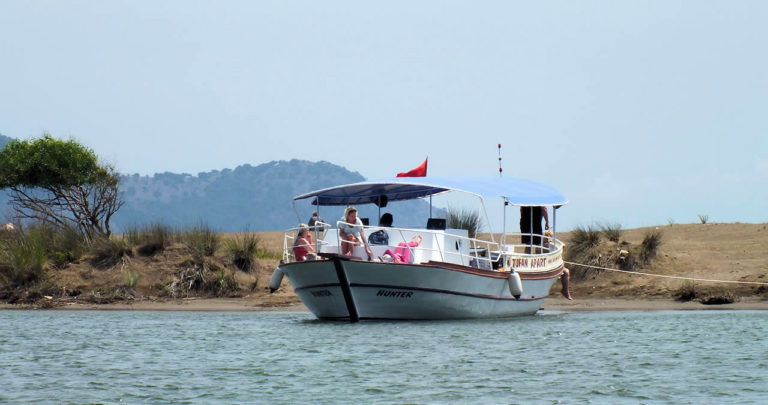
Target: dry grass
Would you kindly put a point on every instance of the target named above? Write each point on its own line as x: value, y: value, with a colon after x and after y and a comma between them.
x: 714, y: 251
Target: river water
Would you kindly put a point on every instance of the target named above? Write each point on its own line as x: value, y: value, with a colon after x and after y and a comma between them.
x: 285, y: 357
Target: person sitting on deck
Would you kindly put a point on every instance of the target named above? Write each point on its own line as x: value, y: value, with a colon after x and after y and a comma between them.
x: 403, y: 252
x: 303, y: 248
x: 351, y: 233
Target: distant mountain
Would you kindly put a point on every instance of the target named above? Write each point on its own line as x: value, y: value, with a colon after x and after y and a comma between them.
x: 257, y: 198
x: 4, y: 209
x: 3, y: 140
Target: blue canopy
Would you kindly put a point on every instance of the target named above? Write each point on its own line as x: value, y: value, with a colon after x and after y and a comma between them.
x: 517, y: 191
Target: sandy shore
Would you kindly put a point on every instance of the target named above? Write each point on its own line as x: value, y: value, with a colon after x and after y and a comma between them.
x: 550, y: 304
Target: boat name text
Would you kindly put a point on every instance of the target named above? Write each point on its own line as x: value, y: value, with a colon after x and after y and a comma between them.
x: 394, y: 294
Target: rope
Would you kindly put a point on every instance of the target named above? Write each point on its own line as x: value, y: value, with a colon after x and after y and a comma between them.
x: 667, y: 276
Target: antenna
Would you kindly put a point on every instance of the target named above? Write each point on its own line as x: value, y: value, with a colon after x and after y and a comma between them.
x: 499, y: 160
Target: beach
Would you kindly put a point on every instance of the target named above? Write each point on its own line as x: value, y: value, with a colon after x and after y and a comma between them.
x: 550, y: 304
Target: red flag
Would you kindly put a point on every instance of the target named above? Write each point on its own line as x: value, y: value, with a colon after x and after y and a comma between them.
x: 420, y: 171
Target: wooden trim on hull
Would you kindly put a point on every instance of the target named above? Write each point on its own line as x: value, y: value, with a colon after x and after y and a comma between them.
x: 542, y: 275
x: 527, y: 275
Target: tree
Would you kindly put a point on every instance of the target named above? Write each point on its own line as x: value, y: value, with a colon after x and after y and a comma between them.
x: 60, y: 183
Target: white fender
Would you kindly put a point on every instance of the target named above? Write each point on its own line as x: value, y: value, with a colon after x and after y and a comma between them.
x: 276, y: 280
x: 515, y: 285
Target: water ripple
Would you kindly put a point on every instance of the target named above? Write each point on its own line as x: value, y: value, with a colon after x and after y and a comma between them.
x: 188, y: 357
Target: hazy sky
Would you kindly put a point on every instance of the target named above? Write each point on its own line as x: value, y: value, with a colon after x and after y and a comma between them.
x: 640, y: 112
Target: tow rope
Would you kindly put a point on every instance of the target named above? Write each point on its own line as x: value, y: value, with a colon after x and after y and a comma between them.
x: 668, y: 276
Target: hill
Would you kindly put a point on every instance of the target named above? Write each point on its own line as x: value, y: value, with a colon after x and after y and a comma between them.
x: 3, y: 195
x: 3, y: 140
x: 258, y: 198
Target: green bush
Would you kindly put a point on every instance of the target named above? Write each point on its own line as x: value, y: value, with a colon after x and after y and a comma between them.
x: 23, y: 257
x: 131, y: 278
x: 65, y: 245
x: 464, y: 219
x: 703, y: 218
x: 242, y: 250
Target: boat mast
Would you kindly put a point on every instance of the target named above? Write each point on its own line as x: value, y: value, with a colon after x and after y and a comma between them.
x: 503, y: 240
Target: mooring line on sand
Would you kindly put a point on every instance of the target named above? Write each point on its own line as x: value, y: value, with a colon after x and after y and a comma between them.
x: 668, y: 276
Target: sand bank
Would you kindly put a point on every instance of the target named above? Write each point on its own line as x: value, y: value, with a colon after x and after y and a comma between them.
x: 550, y: 304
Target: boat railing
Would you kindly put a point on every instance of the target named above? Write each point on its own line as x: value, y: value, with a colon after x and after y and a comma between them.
x: 437, y: 245
x: 546, y: 243
x: 318, y: 230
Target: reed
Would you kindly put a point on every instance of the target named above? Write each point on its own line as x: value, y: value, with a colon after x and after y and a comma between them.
x: 23, y: 257
x: 464, y: 218
x: 687, y: 292
x: 107, y: 252
x: 243, y: 249
x: 150, y: 239
x: 650, y: 245
x: 612, y: 231
x: 201, y: 240
x: 584, y: 247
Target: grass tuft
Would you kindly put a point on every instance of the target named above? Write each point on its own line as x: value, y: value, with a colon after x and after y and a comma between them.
x: 650, y: 245
x: 202, y: 278
x: 243, y: 249
x: 687, y: 292
x: 150, y: 239
x: 464, y: 219
x: 108, y: 252
x: 201, y: 240
x: 703, y: 218
x: 584, y: 248
x: 724, y: 298
x: 612, y: 231
x: 23, y: 257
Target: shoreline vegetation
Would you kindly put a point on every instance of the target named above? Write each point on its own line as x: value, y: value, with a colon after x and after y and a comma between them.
x: 157, y: 268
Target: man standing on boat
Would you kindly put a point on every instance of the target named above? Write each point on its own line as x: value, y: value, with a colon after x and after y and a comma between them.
x: 530, y: 225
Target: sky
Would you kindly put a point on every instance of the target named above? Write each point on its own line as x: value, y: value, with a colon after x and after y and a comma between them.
x: 642, y: 113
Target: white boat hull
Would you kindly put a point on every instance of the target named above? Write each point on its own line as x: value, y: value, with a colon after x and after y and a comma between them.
x: 340, y: 288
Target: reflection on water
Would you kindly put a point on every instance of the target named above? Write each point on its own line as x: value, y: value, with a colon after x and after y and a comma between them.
x: 176, y: 357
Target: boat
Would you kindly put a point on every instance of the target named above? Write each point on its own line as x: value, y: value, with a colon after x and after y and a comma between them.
x: 450, y: 275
